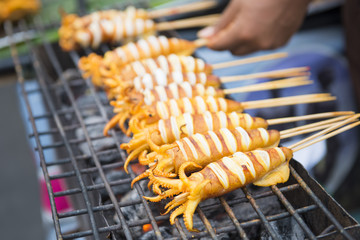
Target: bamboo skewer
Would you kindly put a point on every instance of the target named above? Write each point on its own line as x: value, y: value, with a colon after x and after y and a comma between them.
x: 276, y: 121
x: 284, y: 83
x: 343, y: 129
x: 333, y: 127
x: 314, y: 124
x: 339, y: 121
x: 188, y: 23
x: 286, y: 101
x: 309, y: 130
x: 289, y: 72
x: 201, y: 42
x: 186, y: 8
x: 249, y: 60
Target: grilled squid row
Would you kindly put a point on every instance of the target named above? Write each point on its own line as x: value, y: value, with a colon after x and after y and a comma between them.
x: 102, y: 26
x: 95, y: 65
x: 151, y: 71
x: 146, y: 115
x: 171, y: 91
x: 161, y: 78
x: 261, y: 167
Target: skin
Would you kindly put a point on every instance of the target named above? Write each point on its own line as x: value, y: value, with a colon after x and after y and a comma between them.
x: 247, y: 26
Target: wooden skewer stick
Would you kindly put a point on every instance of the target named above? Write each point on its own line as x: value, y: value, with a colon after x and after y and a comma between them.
x: 343, y: 129
x: 186, y: 8
x: 286, y: 101
x: 327, y: 130
x: 314, y: 124
x: 188, y: 23
x: 289, y: 72
x: 285, y: 83
x: 308, y: 117
x: 249, y: 60
x: 201, y: 42
x: 314, y: 129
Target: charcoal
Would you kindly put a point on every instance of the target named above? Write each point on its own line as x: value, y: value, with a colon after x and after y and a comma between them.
x: 134, y: 212
x: 111, y: 176
x: 100, y: 144
x: 164, y: 230
x: 287, y: 228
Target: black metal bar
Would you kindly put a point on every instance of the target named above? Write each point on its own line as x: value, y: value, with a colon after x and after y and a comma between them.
x: 180, y: 229
x: 82, y: 157
x: 263, y: 218
x: 86, y: 170
x: 66, y: 128
x: 231, y: 214
x: 206, y: 222
x: 91, y: 188
x: 51, y: 54
x: 9, y: 31
x: 292, y: 211
x: 96, y: 209
x: 319, y: 203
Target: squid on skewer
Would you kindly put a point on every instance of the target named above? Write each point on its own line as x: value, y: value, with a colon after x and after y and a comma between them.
x: 160, y: 78
x: 146, y: 115
x: 262, y: 167
x: 97, y: 66
x: 176, y: 63
x: 102, y: 26
x: 167, y: 64
x: 165, y: 93
x: 117, y: 25
x: 203, y: 149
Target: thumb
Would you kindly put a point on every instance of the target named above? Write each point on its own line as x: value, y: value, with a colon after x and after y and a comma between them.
x: 227, y: 17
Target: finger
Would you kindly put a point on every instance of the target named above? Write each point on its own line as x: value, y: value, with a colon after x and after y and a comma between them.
x: 243, y: 49
x: 227, y: 38
x: 227, y: 17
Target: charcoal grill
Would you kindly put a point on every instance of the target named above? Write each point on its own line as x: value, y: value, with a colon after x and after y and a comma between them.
x: 304, y: 209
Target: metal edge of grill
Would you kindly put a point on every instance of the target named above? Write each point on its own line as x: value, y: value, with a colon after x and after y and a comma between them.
x: 319, y: 212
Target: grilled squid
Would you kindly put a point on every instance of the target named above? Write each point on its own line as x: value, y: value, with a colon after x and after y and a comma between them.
x: 97, y: 66
x: 167, y: 64
x: 161, y: 78
x: 203, y: 149
x: 103, y: 26
x: 149, y: 114
x: 260, y: 167
x: 16, y: 9
x: 170, y: 63
x: 171, y: 91
x: 172, y: 129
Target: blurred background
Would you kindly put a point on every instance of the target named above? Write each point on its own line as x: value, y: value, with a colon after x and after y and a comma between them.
x: 24, y: 204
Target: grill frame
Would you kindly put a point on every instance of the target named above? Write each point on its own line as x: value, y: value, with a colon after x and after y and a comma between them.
x: 87, y: 188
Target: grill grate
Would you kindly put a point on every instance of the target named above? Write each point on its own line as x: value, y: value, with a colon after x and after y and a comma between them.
x: 302, y: 199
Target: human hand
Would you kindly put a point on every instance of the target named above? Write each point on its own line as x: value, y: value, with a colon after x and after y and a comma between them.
x: 247, y: 25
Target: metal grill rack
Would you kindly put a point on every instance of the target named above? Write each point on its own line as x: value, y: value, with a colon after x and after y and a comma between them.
x: 302, y: 201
